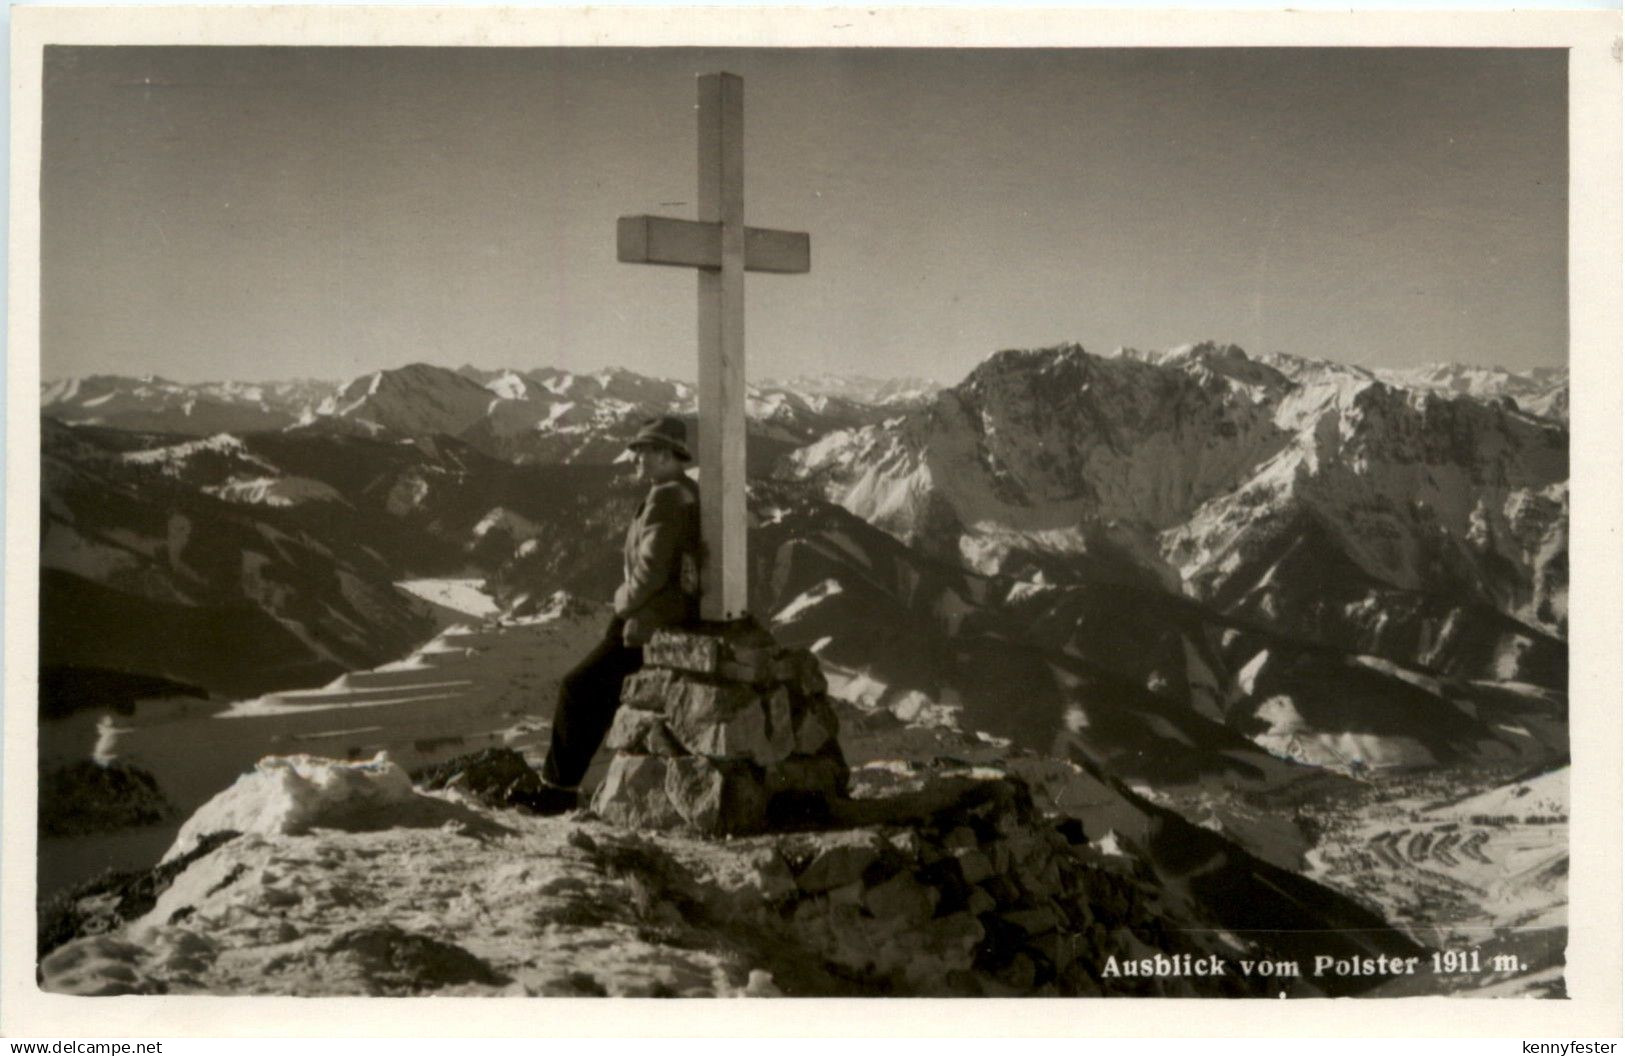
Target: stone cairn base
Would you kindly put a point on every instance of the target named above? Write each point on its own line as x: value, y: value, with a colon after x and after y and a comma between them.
x: 723, y: 732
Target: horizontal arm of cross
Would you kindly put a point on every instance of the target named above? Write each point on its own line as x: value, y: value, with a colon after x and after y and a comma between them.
x: 696, y: 244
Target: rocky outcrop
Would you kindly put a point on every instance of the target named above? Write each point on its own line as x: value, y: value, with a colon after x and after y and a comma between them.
x: 496, y: 777
x: 722, y: 732
x: 944, y: 883
x: 966, y: 890
x: 937, y: 873
x: 87, y: 797
x: 113, y: 899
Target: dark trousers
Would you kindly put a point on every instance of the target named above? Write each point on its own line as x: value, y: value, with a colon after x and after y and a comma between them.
x: 588, y: 699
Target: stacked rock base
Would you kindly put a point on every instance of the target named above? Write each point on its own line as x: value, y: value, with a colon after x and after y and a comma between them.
x: 723, y: 732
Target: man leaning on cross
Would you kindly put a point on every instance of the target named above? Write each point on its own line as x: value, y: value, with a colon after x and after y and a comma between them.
x: 659, y: 588
x: 662, y: 586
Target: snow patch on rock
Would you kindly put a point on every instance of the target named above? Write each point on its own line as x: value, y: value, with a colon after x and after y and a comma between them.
x: 499, y: 518
x: 274, y: 491
x: 1289, y: 736
x: 289, y: 795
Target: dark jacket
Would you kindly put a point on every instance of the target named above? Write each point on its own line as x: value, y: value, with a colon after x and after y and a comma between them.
x: 660, y: 581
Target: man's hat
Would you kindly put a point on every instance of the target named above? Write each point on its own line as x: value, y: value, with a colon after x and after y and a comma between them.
x: 667, y: 432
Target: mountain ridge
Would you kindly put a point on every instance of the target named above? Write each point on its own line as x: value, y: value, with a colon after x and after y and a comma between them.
x: 1201, y: 463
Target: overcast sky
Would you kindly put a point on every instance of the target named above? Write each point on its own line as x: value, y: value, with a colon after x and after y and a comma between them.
x: 266, y: 212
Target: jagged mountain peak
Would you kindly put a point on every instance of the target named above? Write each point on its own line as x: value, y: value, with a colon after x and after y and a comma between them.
x: 1049, y: 358
x: 1072, y: 363
x: 1215, y: 455
x: 1207, y: 349
x: 1043, y: 441
x: 1215, y: 362
x: 1059, y: 374
x: 415, y: 373
x: 412, y: 400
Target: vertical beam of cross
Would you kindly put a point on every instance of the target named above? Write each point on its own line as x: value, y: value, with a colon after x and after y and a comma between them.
x: 722, y: 248
x: 722, y: 349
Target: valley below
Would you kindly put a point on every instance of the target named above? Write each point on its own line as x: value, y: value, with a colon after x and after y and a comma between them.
x: 1472, y: 865
x: 1460, y: 864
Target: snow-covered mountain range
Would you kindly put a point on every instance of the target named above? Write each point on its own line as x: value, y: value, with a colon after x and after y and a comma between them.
x: 268, y: 560
x: 1203, y: 530
x: 1307, y: 496
x: 545, y: 415
x: 1193, y: 599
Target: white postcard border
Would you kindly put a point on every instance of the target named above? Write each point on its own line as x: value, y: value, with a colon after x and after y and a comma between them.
x: 1594, y: 971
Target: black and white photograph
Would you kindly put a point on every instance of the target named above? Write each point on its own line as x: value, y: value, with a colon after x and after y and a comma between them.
x: 559, y: 521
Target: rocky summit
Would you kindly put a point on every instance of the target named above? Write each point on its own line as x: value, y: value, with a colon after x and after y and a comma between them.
x: 319, y: 877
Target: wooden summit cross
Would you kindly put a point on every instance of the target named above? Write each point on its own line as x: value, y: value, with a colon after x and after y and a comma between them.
x: 723, y: 249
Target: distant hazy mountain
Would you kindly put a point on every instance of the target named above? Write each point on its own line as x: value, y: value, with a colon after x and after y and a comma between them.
x: 544, y: 415
x: 883, y: 392
x: 1543, y: 391
x: 202, y: 408
x: 555, y: 416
